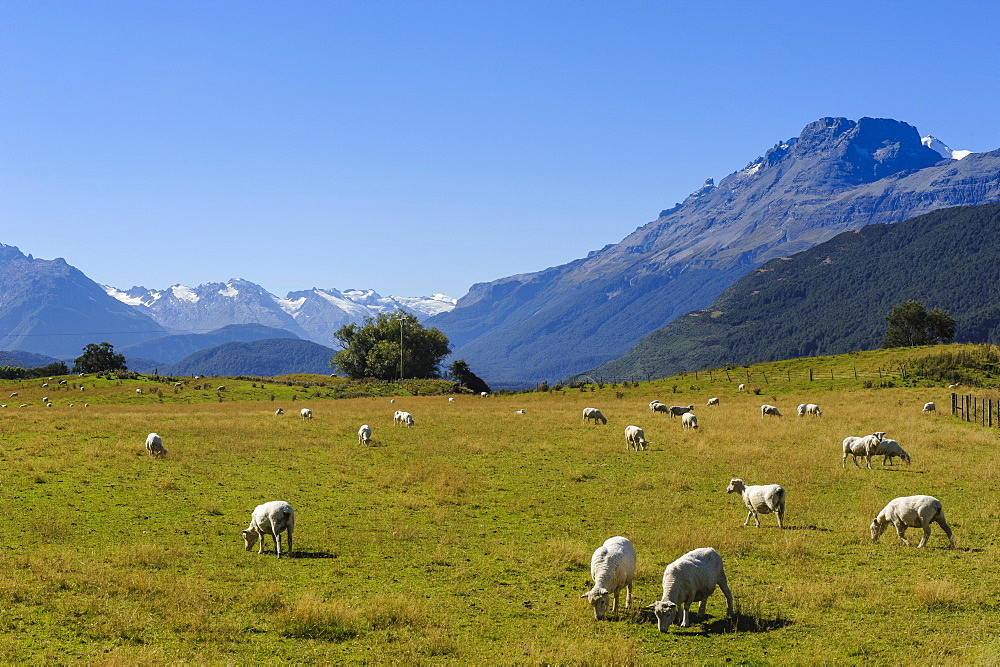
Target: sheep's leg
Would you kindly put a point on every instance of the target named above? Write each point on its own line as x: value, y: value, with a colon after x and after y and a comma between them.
x: 843, y: 461
x: 749, y: 514
x: 856, y: 460
x: 724, y: 587
x: 868, y: 459
x: 614, y: 607
x: 277, y: 544
x: 628, y: 595
x: 702, y: 606
x: 781, y: 518
x: 927, y: 534
x: 289, y: 551
x: 901, y: 531
x: 685, y: 622
x: 945, y: 527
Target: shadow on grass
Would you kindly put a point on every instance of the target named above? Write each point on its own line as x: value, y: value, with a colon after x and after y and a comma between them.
x: 314, y: 554
x: 739, y: 622
x: 824, y: 530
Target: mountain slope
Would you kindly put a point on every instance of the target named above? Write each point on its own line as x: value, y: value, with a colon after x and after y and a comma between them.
x: 171, y: 349
x: 837, y: 175
x: 275, y: 356
x: 833, y: 298
x: 49, y: 307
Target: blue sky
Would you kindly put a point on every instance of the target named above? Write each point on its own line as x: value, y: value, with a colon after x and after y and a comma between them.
x: 420, y: 147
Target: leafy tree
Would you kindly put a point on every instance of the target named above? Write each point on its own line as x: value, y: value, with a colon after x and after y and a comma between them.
x: 372, y: 350
x: 910, y: 323
x: 12, y: 373
x: 462, y: 374
x: 99, y: 359
x: 55, y: 368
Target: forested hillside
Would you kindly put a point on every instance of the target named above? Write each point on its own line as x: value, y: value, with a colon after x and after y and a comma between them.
x: 832, y: 298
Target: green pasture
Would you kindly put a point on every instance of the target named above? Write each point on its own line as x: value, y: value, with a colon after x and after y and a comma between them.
x: 467, y: 538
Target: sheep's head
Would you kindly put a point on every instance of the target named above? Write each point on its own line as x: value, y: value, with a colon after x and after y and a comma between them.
x: 879, y: 435
x: 905, y: 457
x: 877, y: 528
x: 735, y: 486
x: 666, y: 614
x: 599, y: 599
x: 250, y: 539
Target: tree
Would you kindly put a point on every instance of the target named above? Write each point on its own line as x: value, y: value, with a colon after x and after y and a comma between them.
x: 392, y: 345
x: 462, y: 374
x: 912, y: 324
x: 99, y: 359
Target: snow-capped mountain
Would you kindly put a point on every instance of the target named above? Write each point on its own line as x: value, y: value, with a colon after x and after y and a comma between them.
x: 312, y: 314
x: 939, y: 146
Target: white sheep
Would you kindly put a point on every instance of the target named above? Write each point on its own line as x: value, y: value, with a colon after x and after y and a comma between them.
x: 929, y: 407
x: 912, y: 512
x: 741, y: 387
x: 46, y: 384
x: 62, y: 381
x: 713, y: 401
x: 689, y: 421
x: 769, y: 410
x: 691, y: 578
x: 659, y: 407
x: 13, y: 394
x: 392, y: 400
x: 953, y: 386
x: 365, y: 435
x: 178, y: 384
x: 613, y: 568
x: 762, y: 499
x: 222, y: 387
x: 678, y: 410
x: 635, y: 438
x: 860, y: 446
x: 45, y: 399
x: 595, y: 414
x: 520, y: 412
x: 888, y: 449
x: 272, y: 518
x: 451, y: 399
x: 484, y: 394
x: 801, y: 410
x: 402, y: 418
x: 813, y: 409
x: 652, y: 405
x: 306, y: 413
x: 279, y: 411
x: 138, y: 391
x: 154, y: 445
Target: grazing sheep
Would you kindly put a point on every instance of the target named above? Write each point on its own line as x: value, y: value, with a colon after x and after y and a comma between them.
x: 48, y: 405
x: 272, y: 518
x: 659, y: 407
x: 23, y: 405
x: 635, y: 438
x: 3, y: 406
x: 154, y: 445
x: 306, y: 413
x: 860, y: 446
x: 222, y: 387
x: 279, y: 411
x: 678, y: 410
x: 82, y: 388
x: 484, y: 394
x: 769, y: 410
x: 45, y: 384
x: 953, y: 386
x: 912, y: 512
x: 613, y: 568
x: 691, y: 578
x: 741, y: 387
x: 402, y: 418
x: 62, y: 381
x: 801, y: 410
x: 178, y: 384
x: 451, y: 399
x: 520, y: 412
x: 888, y: 449
x: 813, y: 409
x: 365, y: 435
x: 392, y: 400
x: 929, y: 407
x: 138, y: 391
x: 13, y: 394
x: 762, y: 499
x: 713, y: 401
x: 45, y: 399
x: 689, y: 421
x: 652, y: 405
x: 595, y: 414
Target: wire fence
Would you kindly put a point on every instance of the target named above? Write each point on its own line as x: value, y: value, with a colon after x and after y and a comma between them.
x: 750, y: 376
x: 985, y: 411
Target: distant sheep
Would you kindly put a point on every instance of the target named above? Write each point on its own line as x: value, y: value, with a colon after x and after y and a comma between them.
x: 62, y: 381
x: 138, y: 391
x: 613, y: 568
x: 279, y: 411
x: 402, y: 418
x: 678, y: 410
x: 659, y: 407
x: 222, y: 387
x: 713, y: 401
x: 272, y: 518
x: 953, y: 386
x: 653, y: 404
x: 451, y: 399
x: 520, y: 412
x: 154, y: 445
x: 45, y: 384
x: 689, y: 421
x: 912, y: 512
x: 635, y: 438
x: 763, y: 499
x: 801, y: 410
x: 13, y: 394
x: 769, y: 410
x: 860, y: 446
x: 691, y: 578
x: 45, y: 400
x: 929, y: 407
x: 741, y: 387
x: 178, y: 384
x: 594, y: 414
x: 484, y: 394
x: 306, y: 413
x: 365, y: 435
x: 889, y: 449
x: 392, y: 400
x: 813, y: 409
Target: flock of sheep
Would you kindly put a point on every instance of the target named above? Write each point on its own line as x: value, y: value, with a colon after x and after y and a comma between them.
x: 694, y: 576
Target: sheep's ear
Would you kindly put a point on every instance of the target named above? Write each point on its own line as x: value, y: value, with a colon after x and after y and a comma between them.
x: 584, y: 595
x: 650, y: 606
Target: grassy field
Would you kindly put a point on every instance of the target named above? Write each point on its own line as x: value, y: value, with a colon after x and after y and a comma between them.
x: 467, y: 538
